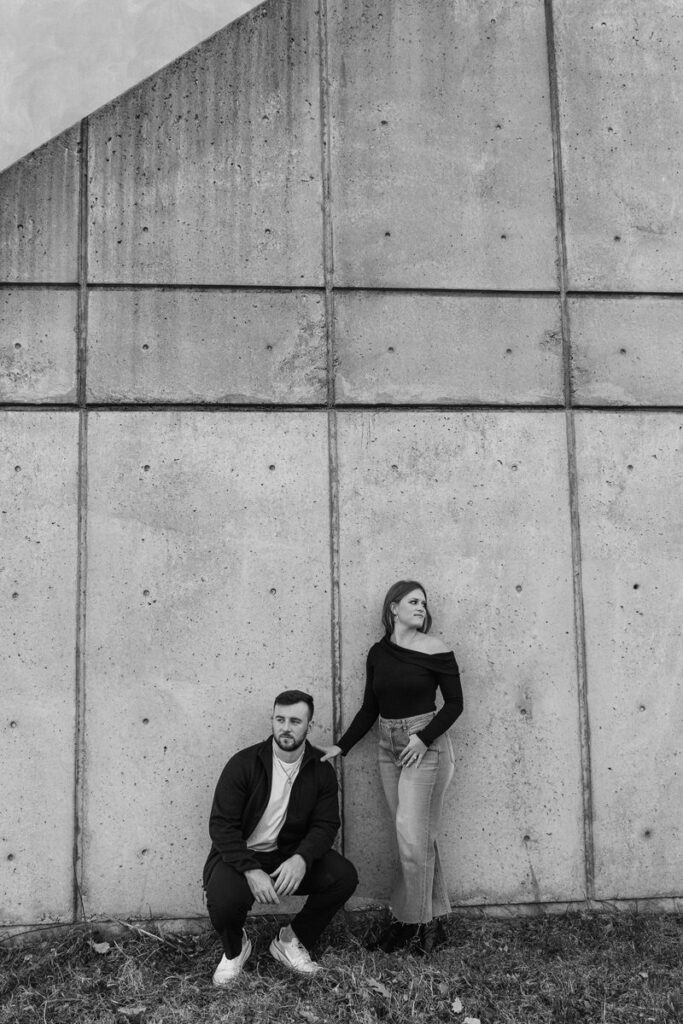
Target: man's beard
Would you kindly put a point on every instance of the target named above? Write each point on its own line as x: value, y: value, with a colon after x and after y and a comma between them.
x: 291, y: 744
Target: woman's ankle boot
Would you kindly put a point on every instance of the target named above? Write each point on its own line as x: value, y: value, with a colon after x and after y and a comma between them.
x: 429, y: 936
x: 395, y: 936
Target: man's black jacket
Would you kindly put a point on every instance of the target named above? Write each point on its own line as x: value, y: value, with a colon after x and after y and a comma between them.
x: 241, y: 797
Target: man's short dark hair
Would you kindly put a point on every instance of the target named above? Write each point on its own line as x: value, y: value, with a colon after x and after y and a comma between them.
x: 293, y: 697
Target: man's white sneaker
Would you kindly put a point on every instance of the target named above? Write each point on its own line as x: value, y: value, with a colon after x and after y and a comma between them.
x: 228, y: 970
x: 293, y: 955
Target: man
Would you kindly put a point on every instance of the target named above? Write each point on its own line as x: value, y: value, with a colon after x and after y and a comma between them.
x: 274, y: 818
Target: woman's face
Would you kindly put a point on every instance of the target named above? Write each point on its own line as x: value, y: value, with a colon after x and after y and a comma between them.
x: 410, y: 610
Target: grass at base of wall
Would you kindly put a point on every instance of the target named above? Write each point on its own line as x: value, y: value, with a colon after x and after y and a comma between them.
x: 592, y: 968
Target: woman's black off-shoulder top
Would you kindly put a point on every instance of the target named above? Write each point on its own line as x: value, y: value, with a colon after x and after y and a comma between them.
x: 401, y: 683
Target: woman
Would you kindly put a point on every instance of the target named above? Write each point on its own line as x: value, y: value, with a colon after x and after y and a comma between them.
x: 404, y: 671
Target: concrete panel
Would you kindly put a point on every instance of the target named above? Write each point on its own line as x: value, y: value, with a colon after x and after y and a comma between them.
x: 208, y: 593
x: 39, y: 213
x: 209, y: 172
x: 207, y: 346
x: 38, y: 345
x: 474, y: 505
x: 631, y: 491
x: 627, y: 351
x: 442, y: 156
x: 442, y: 348
x: 621, y: 91
x: 38, y: 533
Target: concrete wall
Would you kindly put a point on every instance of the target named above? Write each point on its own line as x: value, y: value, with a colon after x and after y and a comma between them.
x: 350, y: 293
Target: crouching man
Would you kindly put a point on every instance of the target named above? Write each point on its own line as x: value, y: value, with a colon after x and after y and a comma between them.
x: 274, y: 818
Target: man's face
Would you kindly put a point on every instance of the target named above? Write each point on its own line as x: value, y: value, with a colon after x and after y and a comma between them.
x: 290, y: 725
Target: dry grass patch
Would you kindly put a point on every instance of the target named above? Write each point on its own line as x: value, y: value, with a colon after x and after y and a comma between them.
x: 577, y: 969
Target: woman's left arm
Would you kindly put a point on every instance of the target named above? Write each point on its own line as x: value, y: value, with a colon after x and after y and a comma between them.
x: 448, y: 681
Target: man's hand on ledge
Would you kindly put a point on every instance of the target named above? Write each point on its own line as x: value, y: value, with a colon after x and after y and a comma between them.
x: 289, y: 875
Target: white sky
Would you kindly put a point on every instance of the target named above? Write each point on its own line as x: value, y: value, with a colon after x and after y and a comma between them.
x: 62, y: 59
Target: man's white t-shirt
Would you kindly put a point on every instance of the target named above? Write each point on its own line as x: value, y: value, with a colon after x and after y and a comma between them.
x: 264, y: 836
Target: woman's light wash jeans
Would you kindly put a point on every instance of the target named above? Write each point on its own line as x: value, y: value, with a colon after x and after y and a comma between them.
x: 415, y: 796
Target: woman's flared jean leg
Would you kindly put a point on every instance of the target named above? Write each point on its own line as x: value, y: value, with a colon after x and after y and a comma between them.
x: 415, y: 796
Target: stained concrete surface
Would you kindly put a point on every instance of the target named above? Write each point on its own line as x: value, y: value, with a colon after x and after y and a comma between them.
x: 210, y: 171
x: 474, y: 506
x: 414, y: 348
x: 631, y: 492
x: 442, y: 171
x: 627, y: 350
x: 38, y: 535
x: 207, y: 346
x: 621, y: 91
x: 39, y: 200
x: 38, y: 344
x: 208, y: 594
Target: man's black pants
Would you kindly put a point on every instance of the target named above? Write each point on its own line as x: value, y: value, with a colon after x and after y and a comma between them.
x: 328, y: 883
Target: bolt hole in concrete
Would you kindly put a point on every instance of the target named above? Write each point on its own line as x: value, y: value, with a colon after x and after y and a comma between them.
x: 15, y: 595
x: 269, y: 348
x: 622, y: 351
x: 273, y: 591
x: 522, y: 711
x: 629, y: 467
x: 518, y: 588
x: 145, y: 593
x: 617, y: 238
x: 13, y: 725
x: 17, y: 469
x: 513, y: 467
x: 145, y: 721
x: 390, y: 349
x: 146, y: 469
x: 387, y: 234
x: 636, y: 586
x: 508, y: 351
x: 647, y: 833
x: 145, y: 348
x: 394, y: 467
x: 642, y: 707
x: 17, y: 344
x: 271, y: 467
x: 527, y: 839
x: 10, y: 856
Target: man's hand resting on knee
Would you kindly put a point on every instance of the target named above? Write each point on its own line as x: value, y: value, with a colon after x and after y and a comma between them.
x: 289, y: 875
x: 261, y: 885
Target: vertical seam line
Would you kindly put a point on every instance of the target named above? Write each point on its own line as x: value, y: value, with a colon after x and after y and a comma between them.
x: 81, y: 556
x: 572, y: 464
x: 332, y: 438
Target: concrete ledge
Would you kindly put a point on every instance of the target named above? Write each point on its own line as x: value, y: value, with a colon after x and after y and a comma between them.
x: 159, y: 928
